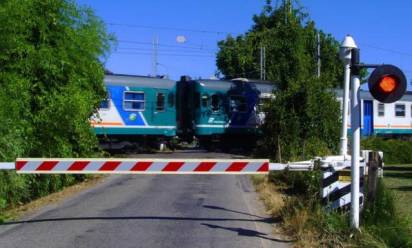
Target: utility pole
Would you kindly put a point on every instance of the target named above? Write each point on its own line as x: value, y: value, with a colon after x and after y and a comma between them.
x: 262, y: 63
x: 155, y: 44
x: 318, y: 53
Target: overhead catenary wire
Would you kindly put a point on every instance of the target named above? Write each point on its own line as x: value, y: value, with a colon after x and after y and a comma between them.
x: 165, y: 54
x: 145, y: 43
x: 176, y: 50
x: 222, y: 32
x: 387, y: 49
x: 208, y: 49
x: 169, y: 28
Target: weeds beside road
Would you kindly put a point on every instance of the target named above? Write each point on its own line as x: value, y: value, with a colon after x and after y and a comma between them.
x: 293, y: 197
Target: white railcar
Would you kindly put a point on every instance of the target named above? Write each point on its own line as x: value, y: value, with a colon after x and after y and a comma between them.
x: 383, y: 119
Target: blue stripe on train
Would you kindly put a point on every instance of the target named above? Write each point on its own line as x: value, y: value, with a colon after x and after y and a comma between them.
x: 128, y: 117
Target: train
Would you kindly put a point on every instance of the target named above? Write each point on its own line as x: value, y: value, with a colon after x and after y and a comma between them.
x: 156, y: 111
x: 151, y: 110
x: 379, y: 119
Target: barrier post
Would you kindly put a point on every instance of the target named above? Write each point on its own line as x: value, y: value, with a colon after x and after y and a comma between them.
x: 355, y: 118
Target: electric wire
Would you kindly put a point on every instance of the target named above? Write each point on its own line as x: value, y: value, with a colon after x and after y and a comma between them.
x: 168, y: 28
x: 141, y: 49
x: 165, y: 54
x: 387, y: 49
x: 145, y: 43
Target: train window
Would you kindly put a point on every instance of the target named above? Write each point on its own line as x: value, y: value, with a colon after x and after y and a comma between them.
x: 160, y: 103
x: 400, y: 110
x: 238, y: 104
x: 171, y: 99
x: 205, y: 100
x: 381, y: 109
x: 411, y: 110
x: 133, y: 101
x: 215, y: 102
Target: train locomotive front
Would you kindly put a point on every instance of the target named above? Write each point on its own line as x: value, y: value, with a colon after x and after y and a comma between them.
x: 223, y: 113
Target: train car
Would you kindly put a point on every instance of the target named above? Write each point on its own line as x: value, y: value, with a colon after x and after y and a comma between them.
x: 137, y: 107
x: 394, y: 119
x: 221, y: 110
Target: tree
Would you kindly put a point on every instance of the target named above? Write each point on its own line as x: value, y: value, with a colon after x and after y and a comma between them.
x: 303, y: 118
x: 51, y: 77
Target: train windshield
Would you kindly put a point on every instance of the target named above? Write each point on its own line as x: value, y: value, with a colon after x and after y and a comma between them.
x: 215, y: 102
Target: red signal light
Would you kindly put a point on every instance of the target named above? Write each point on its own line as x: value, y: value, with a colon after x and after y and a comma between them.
x: 387, y: 84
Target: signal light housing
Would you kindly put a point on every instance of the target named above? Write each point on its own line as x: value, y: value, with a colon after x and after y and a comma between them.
x: 387, y: 83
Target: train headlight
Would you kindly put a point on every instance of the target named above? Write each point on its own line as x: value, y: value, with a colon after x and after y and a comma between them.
x: 387, y: 83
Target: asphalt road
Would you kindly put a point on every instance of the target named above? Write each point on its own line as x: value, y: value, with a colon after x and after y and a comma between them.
x: 151, y: 211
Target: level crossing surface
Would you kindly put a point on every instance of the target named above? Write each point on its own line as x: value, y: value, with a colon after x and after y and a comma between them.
x: 152, y: 211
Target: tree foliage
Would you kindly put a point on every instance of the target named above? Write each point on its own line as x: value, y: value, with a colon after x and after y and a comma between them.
x: 51, y: 79
x: 303, y: 118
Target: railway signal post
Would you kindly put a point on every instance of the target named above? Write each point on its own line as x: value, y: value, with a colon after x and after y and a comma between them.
x: 355, y: 126
x: 387, y: 84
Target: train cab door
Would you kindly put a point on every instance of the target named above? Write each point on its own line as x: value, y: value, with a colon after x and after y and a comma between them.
x: 160, y: 112
x: 367, y: 118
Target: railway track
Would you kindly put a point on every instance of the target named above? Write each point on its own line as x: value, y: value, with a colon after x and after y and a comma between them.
x: 186, y: 153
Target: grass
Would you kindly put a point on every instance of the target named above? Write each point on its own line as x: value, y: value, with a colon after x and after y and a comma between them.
x: 398, y: 178
x: 269, y: 194
x: 293, y: 197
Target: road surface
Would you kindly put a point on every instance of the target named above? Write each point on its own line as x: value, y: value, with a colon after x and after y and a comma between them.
x: 152, y: 211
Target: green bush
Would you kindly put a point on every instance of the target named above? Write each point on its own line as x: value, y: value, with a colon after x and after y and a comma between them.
x: 51, y: 76
x: 395, y: 151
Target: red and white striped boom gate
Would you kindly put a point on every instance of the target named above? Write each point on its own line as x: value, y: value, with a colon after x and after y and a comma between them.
x: 141, y: 166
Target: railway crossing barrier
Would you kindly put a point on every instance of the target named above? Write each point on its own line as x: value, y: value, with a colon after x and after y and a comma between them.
x: 335, y: 190
x: 336, y: 187
x: 141, y: 166
x: 165, y: 166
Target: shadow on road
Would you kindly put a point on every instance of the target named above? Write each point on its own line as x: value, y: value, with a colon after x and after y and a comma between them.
x: 264, y: 220
x: 247, y: 232
x: 229, y: 210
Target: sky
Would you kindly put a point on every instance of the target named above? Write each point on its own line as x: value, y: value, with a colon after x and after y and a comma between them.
x: 382, y: 30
